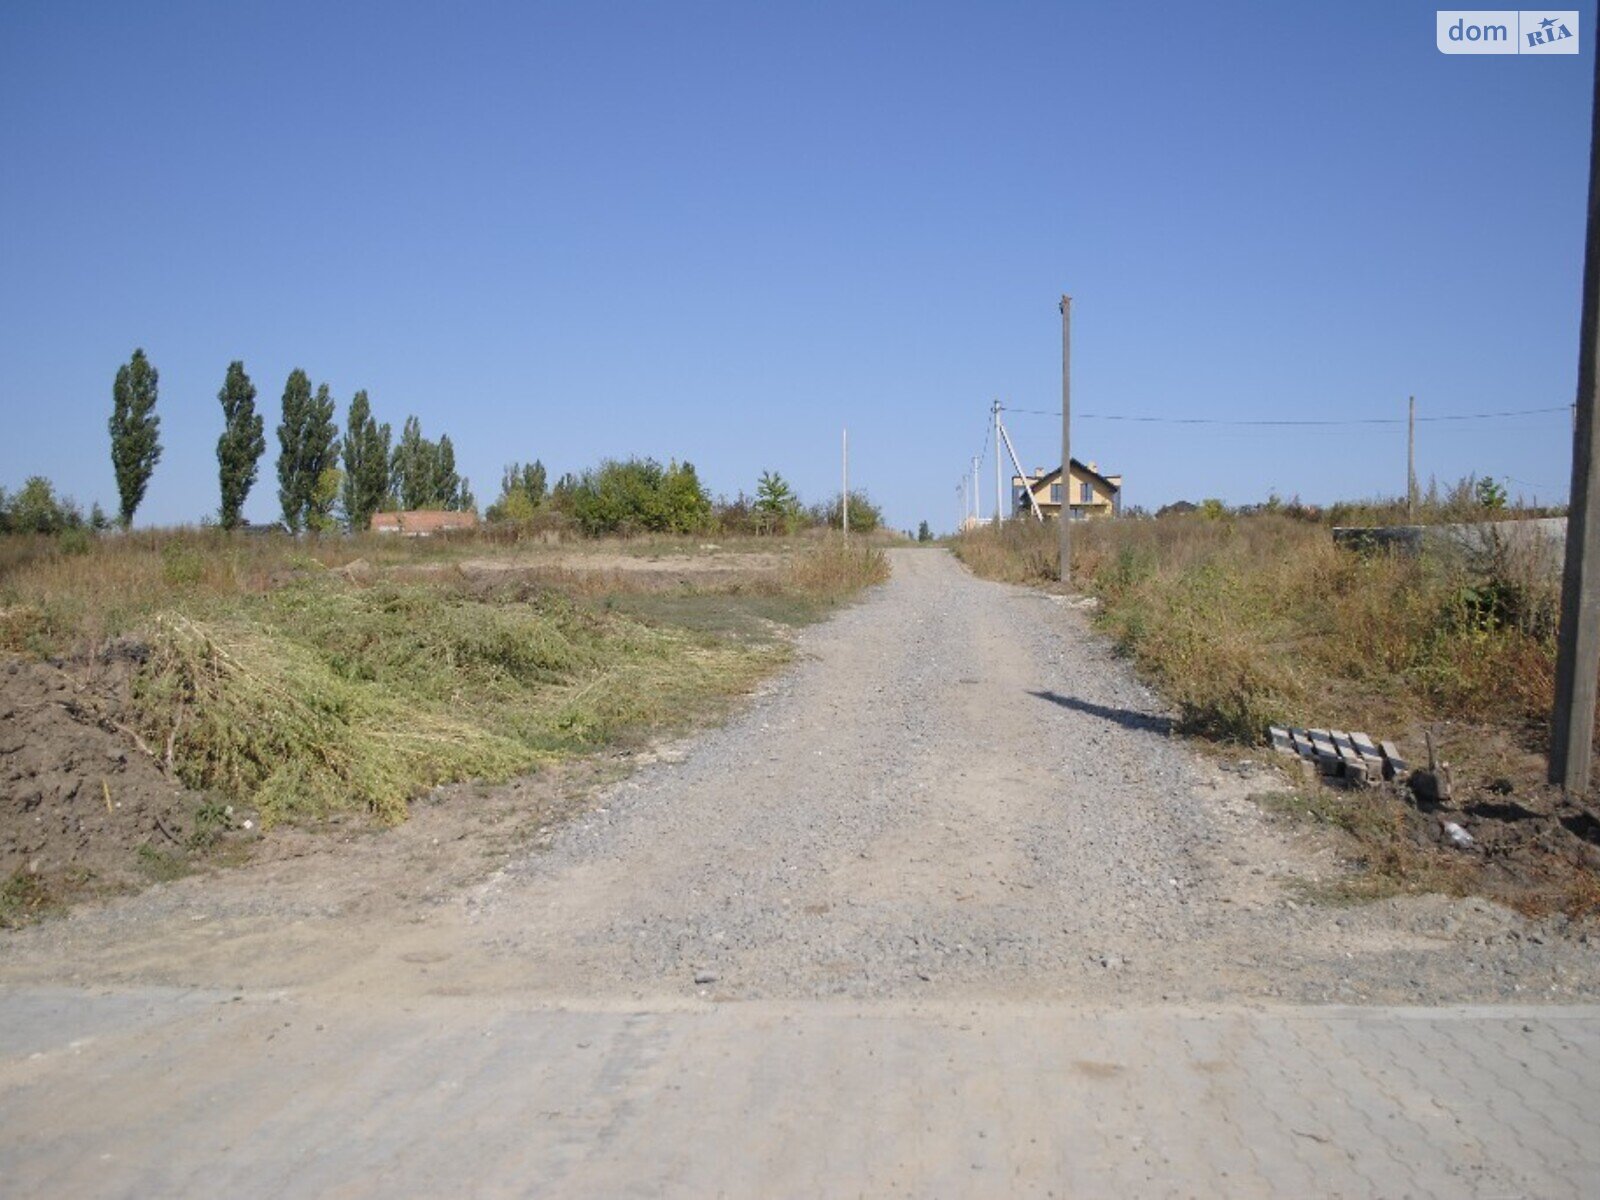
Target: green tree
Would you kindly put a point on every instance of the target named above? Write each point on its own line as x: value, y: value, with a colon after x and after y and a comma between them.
x: 319, y: 514
x: 411, y: 467
x: 135, y: 432
x: 776, y: 505
x: 366, y: 464
x: 424, y: 472
x: 241, y: 445
x: 37, y: 509
x: 563, y: 493
x: 639, y: 495
x: 865, y: 516
x: 308, y: 442
x: 445, y: 489
x: 522, y: 491
x: 1490, y: 494
x: 924, y: 534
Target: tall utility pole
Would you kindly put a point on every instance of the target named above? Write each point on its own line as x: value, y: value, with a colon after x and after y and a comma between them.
x: 977, y: 492
x: 1411, y: 460
x: 844, y: 491
x: 1578, y: 645
x: 999, y: 494
x: 1065, y: 519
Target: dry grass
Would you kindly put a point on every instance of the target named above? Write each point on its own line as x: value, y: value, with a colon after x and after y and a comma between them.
x: 271, y: 675
x: 1248, y: 621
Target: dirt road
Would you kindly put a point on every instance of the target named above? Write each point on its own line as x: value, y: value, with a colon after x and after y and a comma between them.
x: 944, y: 912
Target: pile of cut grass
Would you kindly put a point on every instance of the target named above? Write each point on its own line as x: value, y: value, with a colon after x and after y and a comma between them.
x: 278, y: 679
x: 322, y: 696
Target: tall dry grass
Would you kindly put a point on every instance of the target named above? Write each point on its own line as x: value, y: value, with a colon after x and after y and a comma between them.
x: 1247, y: 621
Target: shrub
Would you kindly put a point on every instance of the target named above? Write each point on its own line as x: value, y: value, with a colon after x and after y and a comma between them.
x: 640, y: 496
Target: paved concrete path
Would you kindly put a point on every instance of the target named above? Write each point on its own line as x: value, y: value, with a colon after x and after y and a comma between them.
x: 158, y: 1093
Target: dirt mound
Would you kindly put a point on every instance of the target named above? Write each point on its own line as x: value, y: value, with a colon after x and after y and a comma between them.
x: 83, y: 810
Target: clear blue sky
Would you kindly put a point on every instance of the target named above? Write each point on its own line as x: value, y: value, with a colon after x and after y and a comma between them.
x: 720, y: 232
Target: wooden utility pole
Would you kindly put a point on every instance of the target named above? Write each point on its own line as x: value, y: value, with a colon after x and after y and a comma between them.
x: 1578, y: 647
x: 1065, y: 519
x: 1411, y: 461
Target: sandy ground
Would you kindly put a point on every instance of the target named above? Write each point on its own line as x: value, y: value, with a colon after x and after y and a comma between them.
x: 958, y: 820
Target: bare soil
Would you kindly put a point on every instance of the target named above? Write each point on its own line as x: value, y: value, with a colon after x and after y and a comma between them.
x: 84, y: 811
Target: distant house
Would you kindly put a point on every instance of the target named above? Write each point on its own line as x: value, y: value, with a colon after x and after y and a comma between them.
x: 422, y: 523
x: 1089, y: 493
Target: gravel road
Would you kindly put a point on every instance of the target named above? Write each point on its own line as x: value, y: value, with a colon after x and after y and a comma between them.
x: 960, y: 792
x: 944, y: 912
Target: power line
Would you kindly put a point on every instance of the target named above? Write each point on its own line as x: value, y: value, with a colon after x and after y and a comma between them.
x: 1144, y: 420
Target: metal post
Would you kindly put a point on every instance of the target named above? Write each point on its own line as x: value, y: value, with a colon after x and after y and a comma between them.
x: 1065, y: 519
x: 999, y: 494
x: 1411, y: 460
x: 1578, y: 645
x: 977, y: 492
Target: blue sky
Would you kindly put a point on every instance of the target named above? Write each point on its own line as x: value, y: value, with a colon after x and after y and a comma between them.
x: 721, y: 232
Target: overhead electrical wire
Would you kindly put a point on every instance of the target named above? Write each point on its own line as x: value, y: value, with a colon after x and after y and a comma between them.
x: 1149, y: 420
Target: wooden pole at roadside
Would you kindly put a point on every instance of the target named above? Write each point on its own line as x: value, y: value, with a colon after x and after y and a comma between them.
x: 1411, y: 461
x: 1065, y: 519
x: 1578, y: 644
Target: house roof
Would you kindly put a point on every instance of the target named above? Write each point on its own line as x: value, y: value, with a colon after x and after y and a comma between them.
x: 420, y: 521
x: 1082, y: 468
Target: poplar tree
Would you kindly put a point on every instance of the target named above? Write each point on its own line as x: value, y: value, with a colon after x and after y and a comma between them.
x: 366, y: 464
x: 308, y: 442
x: 423, y: 472
x: 135, y: 429
x: 446, y: 489
x: 241, y: 445
x: 411, y: 467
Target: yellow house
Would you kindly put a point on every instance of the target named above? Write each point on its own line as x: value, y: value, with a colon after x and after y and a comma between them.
x: 1090, y: 494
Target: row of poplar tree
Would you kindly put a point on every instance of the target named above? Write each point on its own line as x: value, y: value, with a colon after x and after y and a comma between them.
x: 315, y: 492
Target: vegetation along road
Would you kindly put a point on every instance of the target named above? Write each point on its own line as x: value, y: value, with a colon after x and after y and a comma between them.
x: 943, y: 911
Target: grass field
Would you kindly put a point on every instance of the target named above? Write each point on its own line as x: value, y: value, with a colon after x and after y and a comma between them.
x: 304, y: 678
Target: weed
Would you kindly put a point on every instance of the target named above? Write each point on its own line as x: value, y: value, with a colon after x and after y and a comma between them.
x: 161, y: 866
x: 23, y: 898
x: 1250, y: 620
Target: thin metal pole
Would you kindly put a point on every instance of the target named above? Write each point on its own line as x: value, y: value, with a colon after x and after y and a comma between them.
x: 1065, y: 519
x: 1411, y: 460
x: 1578, y: 641
x: 999, y: 494
x: 977, y: 492
x: 844, y: 493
